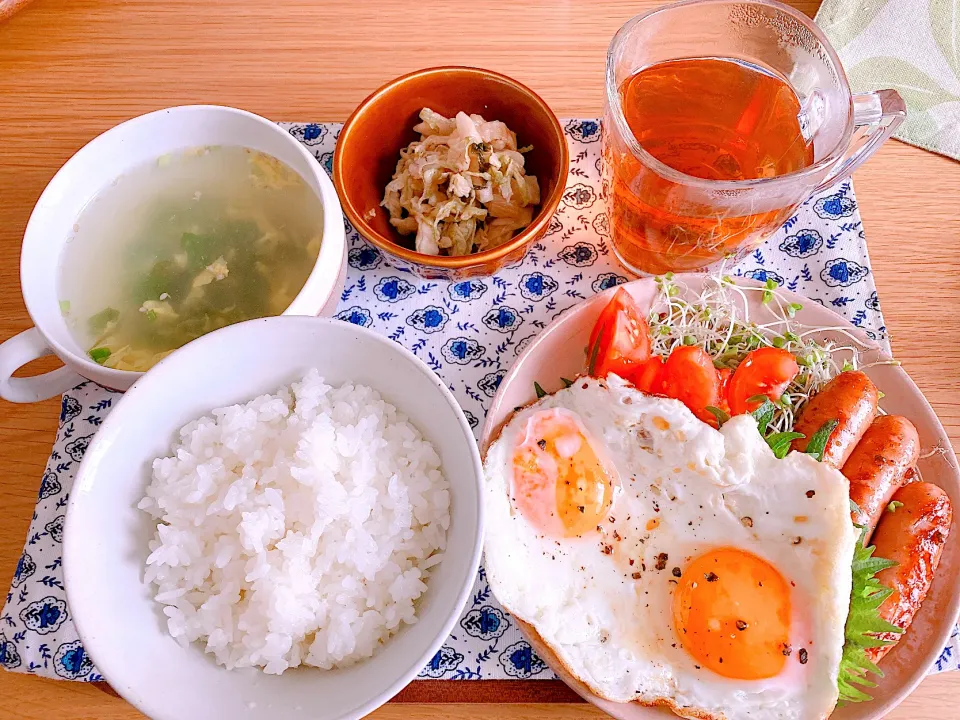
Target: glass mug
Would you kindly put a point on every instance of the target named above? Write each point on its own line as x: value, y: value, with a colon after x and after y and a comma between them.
x: 662, y: 219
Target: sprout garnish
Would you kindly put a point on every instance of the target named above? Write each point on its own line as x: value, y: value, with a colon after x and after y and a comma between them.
x: 719, y: 320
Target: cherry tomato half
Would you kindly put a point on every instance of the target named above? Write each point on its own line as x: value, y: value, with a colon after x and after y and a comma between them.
x: 765, y: 371
x: 620, y: 340
x: 690, y: 377
x: 648, y: 376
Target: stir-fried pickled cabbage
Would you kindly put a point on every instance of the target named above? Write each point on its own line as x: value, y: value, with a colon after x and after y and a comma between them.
x: 462, y: 187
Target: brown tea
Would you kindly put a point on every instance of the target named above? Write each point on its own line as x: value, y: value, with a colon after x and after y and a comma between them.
x: 710, y: 118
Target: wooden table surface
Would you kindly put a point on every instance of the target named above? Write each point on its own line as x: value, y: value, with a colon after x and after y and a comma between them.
x: 71, y: 69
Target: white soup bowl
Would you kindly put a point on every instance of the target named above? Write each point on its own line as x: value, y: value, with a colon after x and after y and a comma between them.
x: 97, y: 165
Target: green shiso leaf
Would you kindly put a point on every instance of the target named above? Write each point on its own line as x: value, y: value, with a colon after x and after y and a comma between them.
x: 763, y: 415
x: 864, y: 624
x: 780, y: 442
x: 592, y: 364
x: 818, y: 442
x: 721, y: 415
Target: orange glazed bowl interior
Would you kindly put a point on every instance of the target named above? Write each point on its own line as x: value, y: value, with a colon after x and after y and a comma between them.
x: 369, y: 147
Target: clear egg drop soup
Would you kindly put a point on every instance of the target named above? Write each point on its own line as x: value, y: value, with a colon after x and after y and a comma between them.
x: 185, y: 245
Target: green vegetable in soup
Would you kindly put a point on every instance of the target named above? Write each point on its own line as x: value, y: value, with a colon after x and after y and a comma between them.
x: 100, y: 355
x: 204, y: 249
x: 163, y: 277
x: 99, y: 322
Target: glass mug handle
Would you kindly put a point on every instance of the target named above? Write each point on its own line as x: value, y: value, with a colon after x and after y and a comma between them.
x: 875, y: 117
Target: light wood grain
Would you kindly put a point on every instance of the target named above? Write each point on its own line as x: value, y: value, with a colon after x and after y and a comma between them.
x: 71, y: 69
x: 30, y: 698
x: 9, y: 7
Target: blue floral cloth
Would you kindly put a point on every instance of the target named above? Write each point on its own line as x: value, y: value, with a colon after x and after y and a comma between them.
x: 469, y: 332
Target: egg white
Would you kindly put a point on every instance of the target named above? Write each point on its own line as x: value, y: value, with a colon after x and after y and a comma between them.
x: 705, y: 489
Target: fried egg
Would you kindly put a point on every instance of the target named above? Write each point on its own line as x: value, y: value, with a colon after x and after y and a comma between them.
x: 667, y: 562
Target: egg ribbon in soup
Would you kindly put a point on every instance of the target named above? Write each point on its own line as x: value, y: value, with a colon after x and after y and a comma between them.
x: 183, y: 246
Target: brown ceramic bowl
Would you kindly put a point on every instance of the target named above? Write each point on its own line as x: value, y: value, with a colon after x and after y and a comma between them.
x: 369, y: 147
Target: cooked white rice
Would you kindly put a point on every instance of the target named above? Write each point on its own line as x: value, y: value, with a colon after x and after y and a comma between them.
x: 299, y: 528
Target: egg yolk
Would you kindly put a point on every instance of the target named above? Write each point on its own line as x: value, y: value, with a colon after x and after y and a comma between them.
x: 559, y: 483
x: 731, y: 612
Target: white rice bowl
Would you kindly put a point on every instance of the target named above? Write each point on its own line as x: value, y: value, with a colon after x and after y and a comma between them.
x: 297, y: 529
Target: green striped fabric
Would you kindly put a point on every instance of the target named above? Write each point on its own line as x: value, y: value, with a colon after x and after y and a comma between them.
x: 912, y: 46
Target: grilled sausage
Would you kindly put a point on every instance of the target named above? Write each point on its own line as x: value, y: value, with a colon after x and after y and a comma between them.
x: 851, y: 399
x: 913, y: 535
x: 878, y: 464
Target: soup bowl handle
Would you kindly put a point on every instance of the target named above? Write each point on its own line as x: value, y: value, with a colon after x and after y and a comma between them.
x: 17, y: 352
